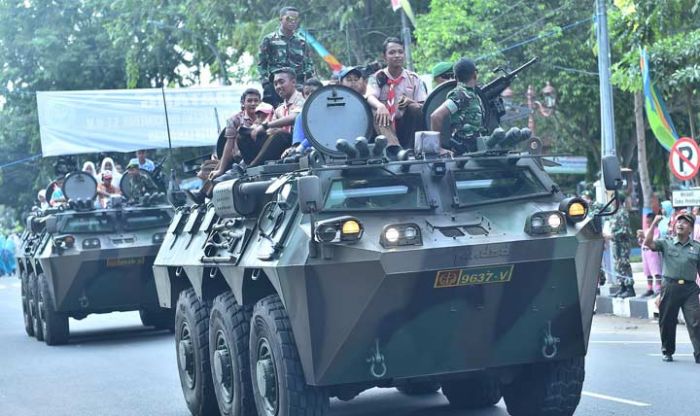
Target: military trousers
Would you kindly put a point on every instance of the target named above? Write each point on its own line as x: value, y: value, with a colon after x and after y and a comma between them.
x: 674, y: 297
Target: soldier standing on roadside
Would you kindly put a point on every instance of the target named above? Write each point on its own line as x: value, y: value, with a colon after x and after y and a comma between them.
x: 621, y: 237
x: 284, y: 48
x: 681, y: 263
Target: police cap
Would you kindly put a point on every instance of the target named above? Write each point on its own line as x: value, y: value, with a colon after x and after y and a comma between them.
x: 687, y: 217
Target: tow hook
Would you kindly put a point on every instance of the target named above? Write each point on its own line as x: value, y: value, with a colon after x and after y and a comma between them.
x: 550, y: 349
x: 377, y: 365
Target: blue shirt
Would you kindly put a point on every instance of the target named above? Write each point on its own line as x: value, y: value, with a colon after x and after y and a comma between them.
x: 298, y: 134
x: 147, y: 165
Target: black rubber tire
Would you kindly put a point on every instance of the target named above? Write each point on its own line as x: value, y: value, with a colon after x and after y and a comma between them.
x: 271, y: 335
x: 229, y: 333
x: 160, y: 318
x: 26, y: 310
x: 34, y: 305
x: 548, y: 389
x: 472, y: 393
x: 54, y: 325
x: 192, y: 333
x: 419, y: 389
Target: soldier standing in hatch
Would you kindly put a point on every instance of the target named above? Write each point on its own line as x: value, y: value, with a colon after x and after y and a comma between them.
x: 681, y: 264
x: 284, y: 48
x: 621, y: 237
x: 463, y: 107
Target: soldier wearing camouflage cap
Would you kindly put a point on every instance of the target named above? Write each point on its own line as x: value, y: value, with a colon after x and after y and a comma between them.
x: 284, y: 48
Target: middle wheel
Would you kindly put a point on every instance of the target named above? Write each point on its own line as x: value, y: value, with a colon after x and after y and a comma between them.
x: 229, y: 333
x: 278, y: 378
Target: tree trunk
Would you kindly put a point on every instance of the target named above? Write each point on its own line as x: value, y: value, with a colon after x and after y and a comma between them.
x: 643, y: 166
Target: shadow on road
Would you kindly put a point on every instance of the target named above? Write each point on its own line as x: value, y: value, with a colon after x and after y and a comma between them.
x: 132, y: 335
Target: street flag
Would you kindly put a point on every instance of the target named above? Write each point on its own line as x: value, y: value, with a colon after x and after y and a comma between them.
x: 659, y: 119
x: 331, y: 60
x: 406, y: 6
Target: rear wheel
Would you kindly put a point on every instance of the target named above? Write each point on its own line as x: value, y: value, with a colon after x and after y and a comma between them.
x: 192, y: 347
x: 279, y: 386
x: 548, y: 389
x: 473, y: 393
x: 54, y: 325
x: 229, y: 336
x: 419, y: 389
x: 26, y: 309
x: 160, y: 318
x: 34, y: 307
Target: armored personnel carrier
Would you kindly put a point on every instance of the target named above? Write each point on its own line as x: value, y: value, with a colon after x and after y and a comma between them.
x: 76, y: 259
x: 343, y: 270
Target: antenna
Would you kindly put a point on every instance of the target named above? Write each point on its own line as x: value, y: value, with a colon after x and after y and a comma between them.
x: 216, y: 117
x: 167, y: 122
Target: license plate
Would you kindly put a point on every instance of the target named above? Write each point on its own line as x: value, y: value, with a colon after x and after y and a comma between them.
x: 473, y: 277
x: 131, y: 261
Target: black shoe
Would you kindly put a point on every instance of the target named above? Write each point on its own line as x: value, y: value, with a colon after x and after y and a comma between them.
x: 667, y: 358
x: 196, y: 197
x: 628, y: 293
x: 648, y: 293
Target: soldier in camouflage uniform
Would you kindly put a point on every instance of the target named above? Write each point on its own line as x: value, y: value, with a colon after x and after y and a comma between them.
x: 284, y: 48
x: 137, y: 183
x: 463, y: 107
x: 621, y: 237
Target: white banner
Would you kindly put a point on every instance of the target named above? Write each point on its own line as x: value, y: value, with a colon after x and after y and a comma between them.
x: 74, y: 122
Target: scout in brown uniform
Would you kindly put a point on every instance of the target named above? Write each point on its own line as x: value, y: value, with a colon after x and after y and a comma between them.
x: 681, y: 263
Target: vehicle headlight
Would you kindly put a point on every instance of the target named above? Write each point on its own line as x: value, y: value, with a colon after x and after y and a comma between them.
x: 575, y: 209
x: 158, y: 238
x: 334, y: 230
x: 90, y: 243
x: 546, y: 222
x: 401, y: 235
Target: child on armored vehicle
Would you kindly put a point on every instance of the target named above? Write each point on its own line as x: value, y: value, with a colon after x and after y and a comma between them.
x: 105, y: 189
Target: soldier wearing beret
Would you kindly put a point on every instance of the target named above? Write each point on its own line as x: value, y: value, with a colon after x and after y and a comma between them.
x: 463, y: 107
x: 442, y: 72
x: 284, y: 48
x: 681, y: 263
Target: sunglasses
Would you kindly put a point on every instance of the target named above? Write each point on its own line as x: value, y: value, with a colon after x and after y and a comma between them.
x: 291, y: 19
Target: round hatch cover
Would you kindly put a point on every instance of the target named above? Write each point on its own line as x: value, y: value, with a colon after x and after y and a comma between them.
x: 80, y: 185
x: 336, y: 112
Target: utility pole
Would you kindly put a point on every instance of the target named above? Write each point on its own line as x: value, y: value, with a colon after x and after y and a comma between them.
x: 607, y: 116
x: 406, y: 35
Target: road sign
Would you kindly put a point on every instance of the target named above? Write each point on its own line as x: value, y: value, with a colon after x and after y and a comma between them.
x: 686, y: 198
x: 684, y: 159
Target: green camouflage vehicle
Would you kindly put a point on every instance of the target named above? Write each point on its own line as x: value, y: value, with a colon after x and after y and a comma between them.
x: 341, y: 271
x: 76, y: 259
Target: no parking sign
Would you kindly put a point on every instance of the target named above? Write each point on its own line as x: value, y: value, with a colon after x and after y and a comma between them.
x: 684, y: 159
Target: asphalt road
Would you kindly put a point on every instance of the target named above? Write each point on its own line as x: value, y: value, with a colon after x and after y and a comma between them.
x: 114, y: 366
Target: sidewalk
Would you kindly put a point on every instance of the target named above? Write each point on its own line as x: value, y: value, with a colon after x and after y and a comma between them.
x: 637, y: 307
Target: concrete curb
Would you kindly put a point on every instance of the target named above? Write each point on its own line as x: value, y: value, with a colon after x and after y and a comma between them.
x: 629, y: 307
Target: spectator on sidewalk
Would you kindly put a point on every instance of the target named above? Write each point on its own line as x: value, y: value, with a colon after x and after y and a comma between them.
x: 651, y: 261
x: 681, y: 263
x: 665, y: 224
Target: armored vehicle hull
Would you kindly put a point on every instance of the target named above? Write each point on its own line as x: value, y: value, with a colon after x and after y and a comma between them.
x: 470, y: 274
x: 77, y: 263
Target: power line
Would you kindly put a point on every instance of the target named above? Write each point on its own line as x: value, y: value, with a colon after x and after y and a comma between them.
x: 535, y: 38
x: 17, y: 162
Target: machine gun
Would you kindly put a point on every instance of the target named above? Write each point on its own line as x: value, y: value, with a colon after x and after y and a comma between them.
x: 491, y: 95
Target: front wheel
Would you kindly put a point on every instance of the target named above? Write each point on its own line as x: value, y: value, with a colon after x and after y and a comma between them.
x: 229, y: 333
x: 192, y: 347
x: 279, y: 386
x: 34, y: 307
x: 26, y: 308
x: 547, y: 389
x: 54, y: 325
x: 472, y: 393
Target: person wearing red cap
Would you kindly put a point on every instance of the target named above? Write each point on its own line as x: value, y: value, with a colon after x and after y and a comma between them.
x: 681, y: 263
x: 105, y: 189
